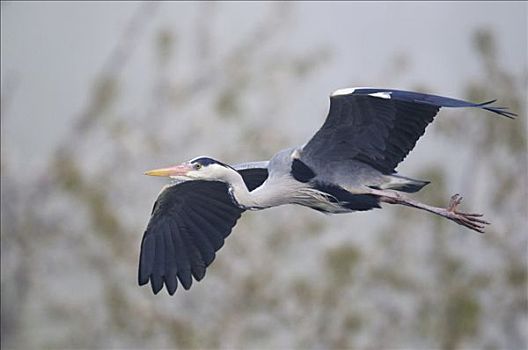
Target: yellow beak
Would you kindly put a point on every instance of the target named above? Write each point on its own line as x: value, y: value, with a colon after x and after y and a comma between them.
x: 178, y: 170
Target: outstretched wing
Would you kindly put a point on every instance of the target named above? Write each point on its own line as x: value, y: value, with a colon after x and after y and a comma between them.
x: 377, y: 126
x: 253, y: 173
x: 188, y: 225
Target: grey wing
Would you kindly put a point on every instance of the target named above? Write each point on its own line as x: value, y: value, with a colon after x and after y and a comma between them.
x: 188, y: 225
x: 378, y: 127
x: 253, y: 173
x: 251, y: 165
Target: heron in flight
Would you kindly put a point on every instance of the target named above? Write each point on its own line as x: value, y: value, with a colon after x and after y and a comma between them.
x: 348, y: 165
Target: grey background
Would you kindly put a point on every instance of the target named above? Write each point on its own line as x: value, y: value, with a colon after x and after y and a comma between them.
x: 93, y: 94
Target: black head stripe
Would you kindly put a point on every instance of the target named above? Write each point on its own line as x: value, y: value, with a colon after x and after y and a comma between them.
x: 206, y: 161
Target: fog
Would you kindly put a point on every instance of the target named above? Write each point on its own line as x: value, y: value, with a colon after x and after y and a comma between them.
x: 94, y: 94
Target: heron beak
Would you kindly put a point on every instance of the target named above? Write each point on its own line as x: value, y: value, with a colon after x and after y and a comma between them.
x: 177, y: 170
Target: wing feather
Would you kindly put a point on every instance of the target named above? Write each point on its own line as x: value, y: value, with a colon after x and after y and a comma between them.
x: 146, y: 263
x: 197, y: 264
x: 189, y: 224
x: 201, y: 239
x: 156, y: 277
x: 180, y: 252
x: 206, y: 224
x: 377, y: 126
x: 171, y: 268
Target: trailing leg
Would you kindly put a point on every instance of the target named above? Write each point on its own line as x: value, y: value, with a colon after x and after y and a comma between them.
x: 469, y: 220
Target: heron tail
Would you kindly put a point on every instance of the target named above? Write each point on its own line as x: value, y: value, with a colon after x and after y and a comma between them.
x: 403, y: 184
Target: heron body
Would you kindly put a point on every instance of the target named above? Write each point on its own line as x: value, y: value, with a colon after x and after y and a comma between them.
x: 348, y: 165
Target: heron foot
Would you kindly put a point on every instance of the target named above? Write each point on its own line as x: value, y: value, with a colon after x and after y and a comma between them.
x: 454, y: 202
x: 470, y: 220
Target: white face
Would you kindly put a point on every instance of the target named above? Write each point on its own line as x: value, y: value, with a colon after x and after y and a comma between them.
x: 196, y: 169
x: 206, y: 172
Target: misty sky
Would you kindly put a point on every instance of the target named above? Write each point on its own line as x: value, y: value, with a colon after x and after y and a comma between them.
x: 72, y: 227
x: 51, y: 52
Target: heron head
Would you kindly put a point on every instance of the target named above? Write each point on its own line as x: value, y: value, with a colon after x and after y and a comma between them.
x: 200, y: 168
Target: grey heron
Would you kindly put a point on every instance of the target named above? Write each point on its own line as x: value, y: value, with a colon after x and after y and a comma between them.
x: 348, y: 165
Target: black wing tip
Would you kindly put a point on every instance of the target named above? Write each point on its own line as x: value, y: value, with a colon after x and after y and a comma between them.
x: 142, y: 280
x: 198, y: 272
x: 157, y: 283
x: 437, y: 100
x: 185, y: 279
x: 171, y: 288
x: 500, y: 111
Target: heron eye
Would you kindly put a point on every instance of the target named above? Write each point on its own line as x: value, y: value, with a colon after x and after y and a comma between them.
x: 197, y: 166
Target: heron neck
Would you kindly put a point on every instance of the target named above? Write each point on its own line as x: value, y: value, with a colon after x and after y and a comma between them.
x: 244, y: 198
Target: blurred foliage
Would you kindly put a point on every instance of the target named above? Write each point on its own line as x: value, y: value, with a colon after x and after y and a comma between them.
x: 340, y: 263
x: 455, y: 312
x: 70, y: 236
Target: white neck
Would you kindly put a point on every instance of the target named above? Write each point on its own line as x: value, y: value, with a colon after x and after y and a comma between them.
x: 262, y: 197
x: 241, y: 194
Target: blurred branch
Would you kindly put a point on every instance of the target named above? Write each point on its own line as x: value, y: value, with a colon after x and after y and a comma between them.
x: 451, y: 304
x: 85, y: 190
